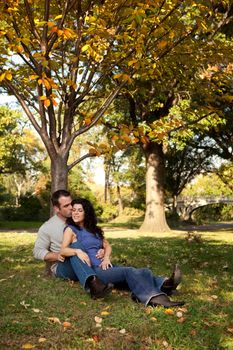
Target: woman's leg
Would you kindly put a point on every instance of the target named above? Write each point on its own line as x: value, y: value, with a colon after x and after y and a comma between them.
x: 141, y: 282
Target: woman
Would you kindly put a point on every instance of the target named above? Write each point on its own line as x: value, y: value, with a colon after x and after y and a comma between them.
x: 82, y: 228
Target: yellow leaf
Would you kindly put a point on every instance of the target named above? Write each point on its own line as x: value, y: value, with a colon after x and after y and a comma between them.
x: 8, y: 76
x: 105, y: 313
x: 2, y: 76
x: 58, y: 17
x: 117, y: 76
x: 42, y: 98
x: 85, y: 48
x: 169, y: 312
x: 33, y: 76
x: 28, y: 346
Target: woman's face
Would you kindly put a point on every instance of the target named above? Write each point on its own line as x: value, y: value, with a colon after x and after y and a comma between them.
x: 78, y: 214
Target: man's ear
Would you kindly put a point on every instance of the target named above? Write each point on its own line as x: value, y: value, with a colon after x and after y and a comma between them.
x: 56, y: 209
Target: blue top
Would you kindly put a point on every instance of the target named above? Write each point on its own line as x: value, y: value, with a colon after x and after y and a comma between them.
x: 90, y: 242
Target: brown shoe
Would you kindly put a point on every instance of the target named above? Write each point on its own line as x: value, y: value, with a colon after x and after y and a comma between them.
x: 163, y: 300
x: 170, y: 284
x: 98, y: 289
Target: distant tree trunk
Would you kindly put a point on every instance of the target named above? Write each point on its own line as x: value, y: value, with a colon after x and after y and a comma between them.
x: 107, y: 183
x: 120, y: 203
x: 155, y: 220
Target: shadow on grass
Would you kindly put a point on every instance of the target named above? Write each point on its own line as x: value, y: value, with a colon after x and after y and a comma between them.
x: 207, y: 288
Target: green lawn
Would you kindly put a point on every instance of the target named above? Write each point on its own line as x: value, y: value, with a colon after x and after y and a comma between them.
x: 34, y: 308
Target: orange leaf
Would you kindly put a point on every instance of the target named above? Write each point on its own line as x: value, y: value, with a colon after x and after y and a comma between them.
x: 169, y: 312
x: 66, y: 324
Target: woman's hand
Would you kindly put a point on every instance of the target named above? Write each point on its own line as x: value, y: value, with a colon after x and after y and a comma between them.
x: 106, y: 263
x: 60, y: 257
x: 100, y: 254
x: 83, y: 257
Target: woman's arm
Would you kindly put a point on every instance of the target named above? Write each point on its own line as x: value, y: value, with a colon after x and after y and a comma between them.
x: 106, y: 263
x: 67, y: 251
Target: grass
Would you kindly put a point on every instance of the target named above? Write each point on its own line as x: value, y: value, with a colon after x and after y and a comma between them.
x: 34, y: 307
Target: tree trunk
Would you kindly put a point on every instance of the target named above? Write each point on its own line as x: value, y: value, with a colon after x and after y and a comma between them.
x: 119, y: 198
x: 155, y: 220
x: 59, y: 173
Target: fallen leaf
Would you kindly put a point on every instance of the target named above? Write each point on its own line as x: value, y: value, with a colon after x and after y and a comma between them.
x: 165, y: 344
x: 3, y: 279
x: 168, y: 311
x: 83, y: 303
x: 36, y: 310
x: 153, y: 319
x: 95, y: 338
x: 54, y: 320
x: 42, y: 340
x: 24, y: 304
x: 181, y: 320
x: 98, y: 319
x: 193, y: 332
x: 214, y: 297
x: 148, y: 310
x: 98, y: 325
x: 122, y: 331
x: 105, y: 313
x: 183, y: 309
x: 66, y: 324
x: 230, y: 330
x: 28, y: 346
x: 179, y: 314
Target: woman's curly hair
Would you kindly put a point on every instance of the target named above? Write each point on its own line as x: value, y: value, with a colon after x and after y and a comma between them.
x: 90, y: 219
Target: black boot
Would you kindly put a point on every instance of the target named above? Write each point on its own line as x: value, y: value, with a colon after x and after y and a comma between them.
x: 98, y: 289
x: 163, y: 300
x: 173, y: 281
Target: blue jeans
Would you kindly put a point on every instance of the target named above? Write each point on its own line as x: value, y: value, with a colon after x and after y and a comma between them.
x: 141, y: 282
x: 74, y: 269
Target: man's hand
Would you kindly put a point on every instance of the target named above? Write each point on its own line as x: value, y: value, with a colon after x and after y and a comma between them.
x: 83, y: 256
x: 100, y: 254
x: 106, y: 263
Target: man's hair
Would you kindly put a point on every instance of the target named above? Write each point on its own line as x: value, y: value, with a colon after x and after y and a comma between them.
x: 58, y: 194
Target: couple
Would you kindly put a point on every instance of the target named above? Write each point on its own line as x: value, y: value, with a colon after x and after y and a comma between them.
x: 75, y: 246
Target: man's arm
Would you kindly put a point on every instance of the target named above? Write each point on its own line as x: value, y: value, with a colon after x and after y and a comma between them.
x: 41, y: 249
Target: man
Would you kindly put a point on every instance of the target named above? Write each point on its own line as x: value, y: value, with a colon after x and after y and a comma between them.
x: 48, y: 244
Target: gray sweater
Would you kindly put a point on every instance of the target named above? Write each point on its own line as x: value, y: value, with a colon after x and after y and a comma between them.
x: 49, y: 239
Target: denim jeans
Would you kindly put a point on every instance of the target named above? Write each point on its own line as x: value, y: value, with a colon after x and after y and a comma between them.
x: 74, y: 269
x: 141, y: 282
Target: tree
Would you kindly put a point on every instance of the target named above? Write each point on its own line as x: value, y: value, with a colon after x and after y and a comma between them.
x: 183, y: 164
x: 10, y: 142
x: 55, y: 57
x: 151, y: 117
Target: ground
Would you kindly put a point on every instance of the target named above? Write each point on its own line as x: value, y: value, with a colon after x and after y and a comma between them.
x: 43, y: 313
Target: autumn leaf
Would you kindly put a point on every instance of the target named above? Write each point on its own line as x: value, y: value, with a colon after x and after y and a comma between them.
x: 168, y: 311
x: 122, y: 331
x: 105, y: 313
x: 42, y: 340
x: 66, y: 324
x: 28, y: 346
x: 54, y: 320
x: 98, y: 319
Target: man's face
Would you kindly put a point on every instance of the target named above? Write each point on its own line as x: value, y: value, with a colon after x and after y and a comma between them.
x: 65, y: 208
